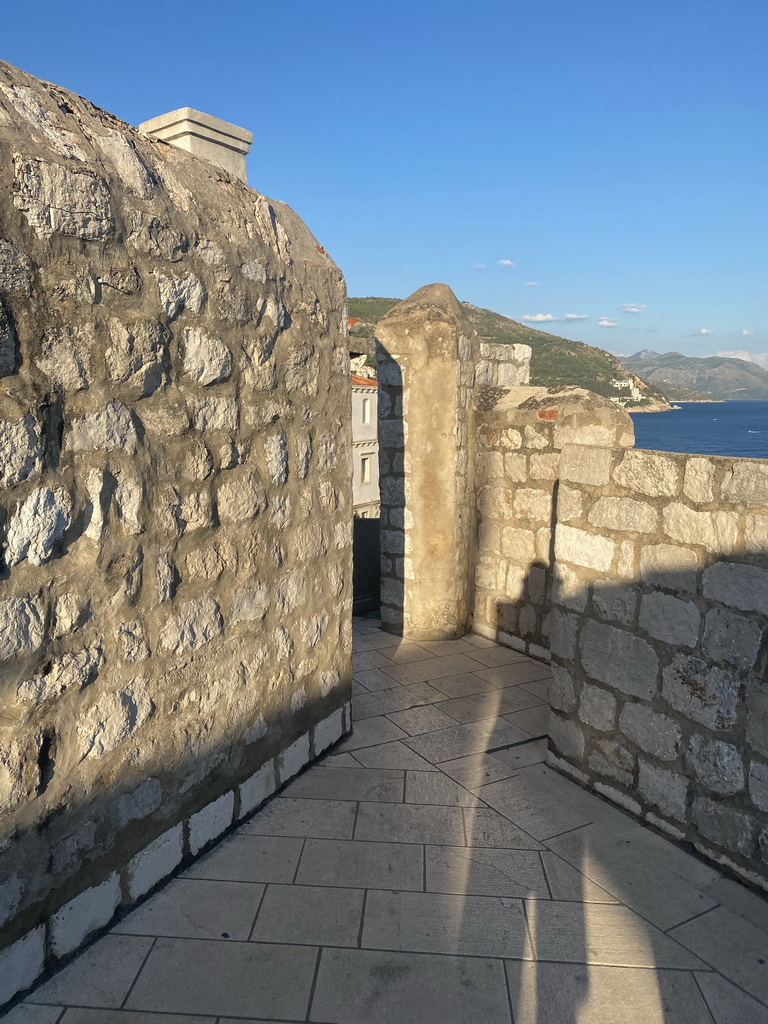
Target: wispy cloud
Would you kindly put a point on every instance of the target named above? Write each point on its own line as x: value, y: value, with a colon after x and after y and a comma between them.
x: 542, y: 318
x: 507, y: 263
x: 703, y: 330
x: 632, y: 307
x: 478, y: 266
x: 747, y: 334
x: 761, y: 358
x: 605, y: 321
x: 533, y: 284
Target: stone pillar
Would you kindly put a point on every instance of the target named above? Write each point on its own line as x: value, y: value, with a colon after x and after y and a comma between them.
x: 426, y: 351
x: 217, y: 141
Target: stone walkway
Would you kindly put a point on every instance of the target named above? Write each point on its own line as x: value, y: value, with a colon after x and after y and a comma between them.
x: 415, y: 877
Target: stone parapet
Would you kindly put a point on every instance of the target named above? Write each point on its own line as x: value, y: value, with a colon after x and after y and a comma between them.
x: 217, y: 141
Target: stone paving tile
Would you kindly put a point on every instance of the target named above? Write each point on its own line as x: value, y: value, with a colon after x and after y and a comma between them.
x: 361, y: 986
x: 435, y: 668
x: 602, y: 933
x: 374, y: 641
x: 492, y: 656
x: 462, y: 685
x: 29, y: 1013
x: 566, y: 883
x: 539, y: 688
x: 407, y: 653
x: 465, y: 739
x: 339, y: 761
x: 485, y: 827
x: 359, y: 865
x: 399, y: 698
x: 240, y: 979
x: 546, y: 785
x: 441, y: 648
x: 392, y: 755
x: 369, y: 732
x: 728, y: 1004
x: 373, y: 680
x: 515, y: 673
x: 476, y: 770
x: 522, y: 755
x: 309, y: 915
x: 417, y: 721
x: 81, y: 1015
x: 348, y: 784
x: 522, y: 802
x: 492, y: 704
x: 533, y: 720
x: 320, y: 819
x: 425, y: 922
x: 246, y: 857
x: 197, y: 909
x: 485, y: 872
x: 410, y: 823
x: 367, y: 660
x: 358, y: 689
x: 434, y: 788
x: 731, y: 945
x: 739, y: 900
x: 101, y: 976
x: 569, y: 994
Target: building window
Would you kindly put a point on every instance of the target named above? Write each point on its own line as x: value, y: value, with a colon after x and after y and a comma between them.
x: 365, y: 469
x: 366, y: 410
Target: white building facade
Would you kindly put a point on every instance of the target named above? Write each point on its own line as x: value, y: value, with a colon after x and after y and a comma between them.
x: 365, y: 447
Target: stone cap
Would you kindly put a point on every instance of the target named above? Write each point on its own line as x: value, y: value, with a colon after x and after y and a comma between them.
x: 202, y: 135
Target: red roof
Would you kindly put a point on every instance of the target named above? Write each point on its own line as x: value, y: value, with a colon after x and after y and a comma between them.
x: 352, y: 320
x: 362, y: 382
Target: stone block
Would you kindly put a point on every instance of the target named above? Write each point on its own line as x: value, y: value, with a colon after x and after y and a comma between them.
x: 567, y: 737
x: 623, y: 514
x: 570, y: 502
x: 698, y: 484
x: 731, y: 638
x: 241, y: 496
x: 701, y: 692
x: 583, y: 465
x: 215, y: 414
x: 717, y: 765
x: 206, y: 359
x: 21, y: 963
x: 613, y: 760
x: 155, y: 862
x: 533, y: 505
x: 757, y: 718
x: 563, y: 628
x: 668, y: 565
x: 562, y: 689
x: 669, y: 619
x: 138, y: 355
x: 21, y: 451
x: 328, y: 731
x: 140, y: 802
x: 738, y: 586
x: 519, y: 545
x: 58, y: 199
x: 758, y: 784
x: 544, y: 467
x: 746, y: 483
x: 255, y: 790
x: 294, y: 758
x: 725, y: 826
x: 663, y: 789
x: 112, y: 428
x: 656, y: 734
x: 619, y: 798
x: 755, y: 534
x: 65, y: 356
x: 615, y: 602
x: 618, y: 659
x: 196, y: 623
x: 569, y: 590
x: 22, y: 626
x: 86, y: 913
x: 582, y: 548
x: 210, y: 822
x: 597, y: 708
x: 648, y: 473
x: 716, y: 531
x: 515, y: 468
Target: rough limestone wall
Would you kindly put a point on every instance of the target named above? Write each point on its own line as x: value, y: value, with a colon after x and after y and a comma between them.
x: 175, y: 507
x: 519, y: 435
x: 426, y: 351
x: 659, y: 647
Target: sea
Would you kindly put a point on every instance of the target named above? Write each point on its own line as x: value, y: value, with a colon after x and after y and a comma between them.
x: 706, y: 428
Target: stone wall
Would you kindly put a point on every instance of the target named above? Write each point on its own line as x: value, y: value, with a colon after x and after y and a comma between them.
x: 175, y: 512
x: 658, y: 641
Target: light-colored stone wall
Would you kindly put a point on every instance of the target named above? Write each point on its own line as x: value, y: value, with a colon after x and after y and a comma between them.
x: 658, y: 638
x: 175, y: 514
x: 365, y: 445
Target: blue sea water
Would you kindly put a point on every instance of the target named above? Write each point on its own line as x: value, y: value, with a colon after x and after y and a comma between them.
x: 706, y: 428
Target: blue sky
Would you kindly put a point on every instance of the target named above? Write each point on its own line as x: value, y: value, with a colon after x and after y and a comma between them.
x: 603, y: 160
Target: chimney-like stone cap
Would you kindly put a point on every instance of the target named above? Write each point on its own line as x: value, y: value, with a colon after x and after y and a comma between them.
x: 220, y: 142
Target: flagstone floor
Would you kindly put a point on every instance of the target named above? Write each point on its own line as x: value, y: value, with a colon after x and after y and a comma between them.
x: 431, y: 870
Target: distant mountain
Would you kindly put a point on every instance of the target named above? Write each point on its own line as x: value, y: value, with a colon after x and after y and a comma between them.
x: 720, y: 377
x: 555, y: 361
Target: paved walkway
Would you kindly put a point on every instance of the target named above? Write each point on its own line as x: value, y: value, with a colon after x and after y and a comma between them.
x: 415, y: 877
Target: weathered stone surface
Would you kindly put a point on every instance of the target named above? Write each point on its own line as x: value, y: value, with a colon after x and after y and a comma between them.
x: 732, y: 829
x: 140, y: 802
x: 562, y: 690
x: 623, y: 514
x: 647, y: 473
x: 138, y: 355
x: 758, y: 784
x: 613, y: 760
x: 736, y: 585
x: 656, y: 734
x: 215, y: 414
x: 615, y: 602
x: 37, y: 525
x: 582, y: 465
x: 69, y: 200
x: 196, y: 623
x: 241, y: 496
x: 597, y: 708
x: 21, y: 451
x: 701, y: 692
x: 133, y: 641
x: 562, y: 629
x: 110, y: 428
x: 756, y: 534
x: 123, y: 156
x: 570, y: 503
x: 746, y: 483
x: 582, y: 548
x: 663, y: 789
x: 167, y: 578
x: 276, y: 456
x: 670, y: 619
x: 519, y: 545
x: 9, y: 342
x: 75, y: 670
x: 22, y: 626
x: 569, y: 589
x: 66, y: 356
x: 715, y: 531
x: 180, y: 293
x: 618, y: 659
x: 731, y: 638
x: 251, y: 605
x: 668, y: 565
x: 206, y: 359
x: 716, y: 764
x: 113, y: 719
x: 699, y: 480
x: 567, y: 737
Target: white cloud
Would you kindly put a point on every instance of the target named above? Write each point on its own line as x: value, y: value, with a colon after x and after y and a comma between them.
x: 541, y: 318
x: 605, y: 321
x: 479, y: 266
x: 761, y: 358
x: 632, y: 307
x: 747, y: 334
x: 507, y: 263
x: 704, y: 330
x: 533, y: 284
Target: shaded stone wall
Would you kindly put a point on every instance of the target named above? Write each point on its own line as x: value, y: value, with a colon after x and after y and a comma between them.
x: 658, y: 641
x: 175, y: 511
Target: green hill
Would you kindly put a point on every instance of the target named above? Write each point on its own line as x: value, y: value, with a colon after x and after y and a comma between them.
x: 555, y: 361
